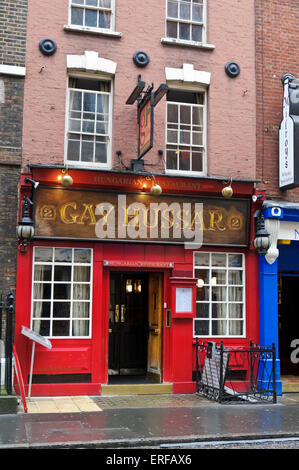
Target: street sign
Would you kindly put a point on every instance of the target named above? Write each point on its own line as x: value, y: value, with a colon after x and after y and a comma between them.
x: 36, y: 337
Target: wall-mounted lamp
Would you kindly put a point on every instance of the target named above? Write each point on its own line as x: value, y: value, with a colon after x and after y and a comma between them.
x: 156, y: 189
x: 255, y: 197
x: 228, y: 190
x: 65, y: 180
x: 25, y: 229
x: 261, y: 237
x: 34, y: 183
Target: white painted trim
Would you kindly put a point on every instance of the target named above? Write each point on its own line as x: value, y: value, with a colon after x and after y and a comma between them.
x: 12, y: 70
x: 182, y: 42
x: 187, y: 74
x: 91, y: 62
x: 89, y: 30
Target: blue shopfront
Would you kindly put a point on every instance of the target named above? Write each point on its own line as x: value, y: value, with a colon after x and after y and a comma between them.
x: 278, y: 291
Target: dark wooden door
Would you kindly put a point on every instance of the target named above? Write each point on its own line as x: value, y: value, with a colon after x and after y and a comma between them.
x: 128, y: 324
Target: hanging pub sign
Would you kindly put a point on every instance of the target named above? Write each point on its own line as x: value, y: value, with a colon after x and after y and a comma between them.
x: 146, y: 125
x: 132, y: 217
x: 146, y: 101
x: 289, y: 134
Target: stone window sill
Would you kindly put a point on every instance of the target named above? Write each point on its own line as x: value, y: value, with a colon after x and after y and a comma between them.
x: 96, y: 31
x: 181, y: 42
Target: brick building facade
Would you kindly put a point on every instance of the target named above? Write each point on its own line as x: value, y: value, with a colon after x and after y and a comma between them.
x: 13, y: 18
x: 114, y: 299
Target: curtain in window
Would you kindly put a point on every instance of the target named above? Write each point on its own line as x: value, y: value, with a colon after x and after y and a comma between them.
x: 81, y: 309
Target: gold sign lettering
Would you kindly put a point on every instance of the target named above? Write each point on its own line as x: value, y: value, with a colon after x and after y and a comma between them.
x: 139, y: 217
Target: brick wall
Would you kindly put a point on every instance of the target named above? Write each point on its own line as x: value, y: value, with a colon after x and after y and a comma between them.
x: 13, y: 16
x: 276, y: 54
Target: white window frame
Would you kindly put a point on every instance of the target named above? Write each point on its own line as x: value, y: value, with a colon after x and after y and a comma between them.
x: 92, y: 28
x: 203, y: 25
x: 194, y: 89
x: 80, y: 163
x: 54, y: 263
x: 209, y: 285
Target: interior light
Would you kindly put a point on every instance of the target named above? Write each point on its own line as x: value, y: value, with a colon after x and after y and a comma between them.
x: 129, y: 286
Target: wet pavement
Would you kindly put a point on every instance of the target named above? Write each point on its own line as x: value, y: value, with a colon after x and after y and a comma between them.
x: 138, y: 421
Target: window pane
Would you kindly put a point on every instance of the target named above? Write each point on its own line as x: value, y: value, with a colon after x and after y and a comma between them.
x: 219, y: 294
x: 219, y: 310
x: 236, y: 310
x: 41, y: 327
x: 80, y: 309
x: 43, y: 254
x: 201, y: 259
x: 184, y: 31
x: 235, y: 277
x: 41, y: 291
x: 41, y: 309
x: 171, y: 160
x: 197, y: 161
x: 73, y: 150
x: 202, y: 310
x: 62, y: 291
x: 63, y: 255
x: 235, y: 261
x: 196, y: 33
x: 77, y: 16
x: 171, y: 29
x: 185, y: 11
x: 101, y: 153
x: 202, y: 276
x: 62, y: 273
x: 197, y: 13
x: 201, y: 327
x: 82, y: 255
x: 184, y: 161
x: 218, y: 276
x: 202, y: 293
x: 219, y: 328
x: 61, y: 309
x: 80, y: 328
x: 236, y: 327
x: 172, y: 113
x: 87, y: 151
x: 172, y: 9
x: 104, y: 19
x: 218, y: 259
x: 43, y: 273
x: 93, y: 3
x: 81, y: 292
x: 61, y: 328
x: 91, y: 18
x: 81, y: 273
x: 235, y: 293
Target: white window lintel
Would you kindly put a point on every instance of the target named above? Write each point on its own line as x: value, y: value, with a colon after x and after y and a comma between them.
x: 188, y: 74
x: 91, y: 62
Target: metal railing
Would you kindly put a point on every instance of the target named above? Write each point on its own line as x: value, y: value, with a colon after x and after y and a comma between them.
x: 6, y: 341
x: 235, y: 374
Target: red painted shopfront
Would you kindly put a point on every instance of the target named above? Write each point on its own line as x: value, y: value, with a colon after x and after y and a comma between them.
x: 122, y: 302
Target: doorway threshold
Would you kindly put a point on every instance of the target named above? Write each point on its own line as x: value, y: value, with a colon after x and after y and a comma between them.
x: 290, y: 383
x: 136, y: 389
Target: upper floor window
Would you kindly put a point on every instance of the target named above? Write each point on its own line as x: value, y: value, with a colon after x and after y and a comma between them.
x: 93, y: 13
x: 89, y: 122
x: 185, y: 20
x: 185, y: 132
